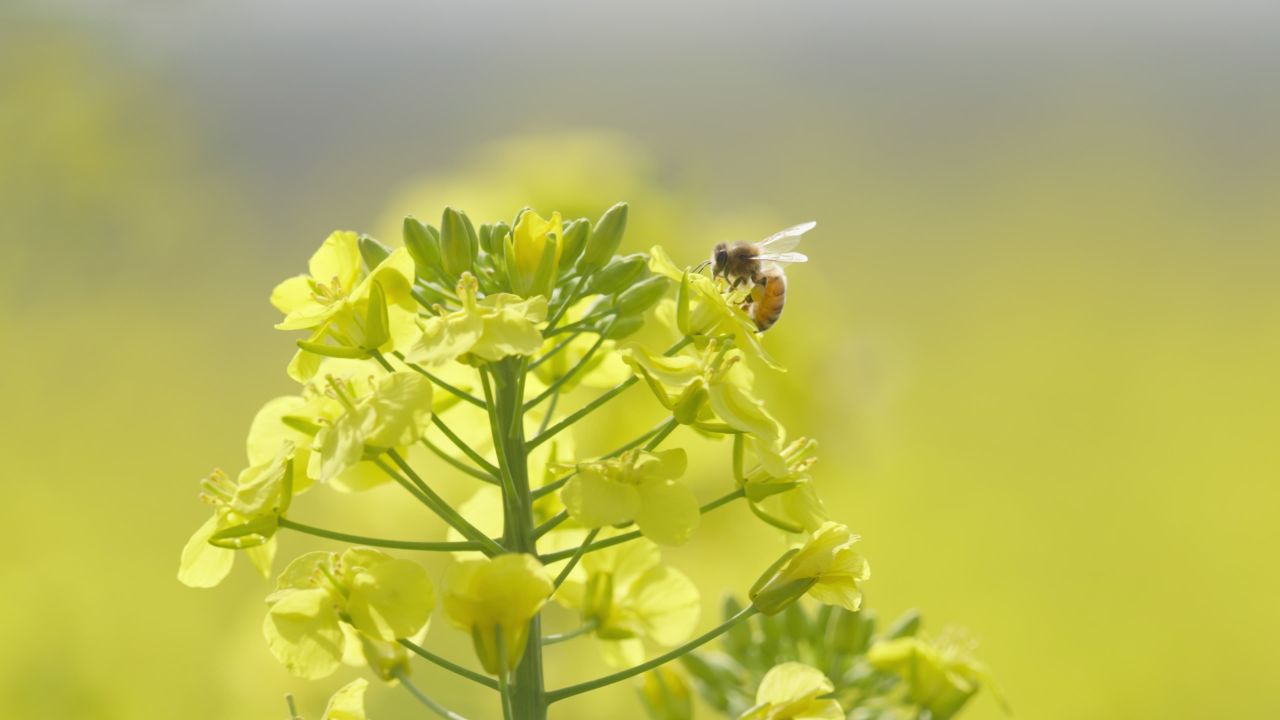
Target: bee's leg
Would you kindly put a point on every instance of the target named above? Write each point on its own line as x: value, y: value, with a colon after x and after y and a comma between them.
x: 736, y: 283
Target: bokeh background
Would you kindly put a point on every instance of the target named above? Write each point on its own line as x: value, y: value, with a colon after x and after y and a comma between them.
x: 1039, y: 341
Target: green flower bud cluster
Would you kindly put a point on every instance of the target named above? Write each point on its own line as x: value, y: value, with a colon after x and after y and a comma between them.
x: 464, y: 361
x: 829, y: 662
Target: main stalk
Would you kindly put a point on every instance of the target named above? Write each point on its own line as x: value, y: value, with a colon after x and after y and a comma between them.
x: 527, y: 689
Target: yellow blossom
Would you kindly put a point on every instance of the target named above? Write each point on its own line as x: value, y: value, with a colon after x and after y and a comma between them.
x: 533, y: 254
x: 793, y: 691
x: 318, y: 593
x: 497, y: 597
x: 348, y: 702
x: 939, y: 675
x: 826, y: 568
x: 245, y: 517
x: 333, y: 301
x: 640, y: 487
x: 490, y: 328
x: 705, y: 309
x: 631, y: 597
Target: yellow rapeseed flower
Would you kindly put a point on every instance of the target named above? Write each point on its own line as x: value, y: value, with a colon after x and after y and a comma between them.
x: 793, y: 691
x: 497, y: 596
x: 826, y: 568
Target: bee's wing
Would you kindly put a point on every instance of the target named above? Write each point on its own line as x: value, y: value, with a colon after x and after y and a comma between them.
x: 784, y: 240
x: 783, y: 258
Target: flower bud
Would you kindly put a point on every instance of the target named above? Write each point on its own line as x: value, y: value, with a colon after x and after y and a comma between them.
x: 423, y: 244
x: 618, y: 275
x: 906, y: 626
x: 605, y: 239
x: 642, y: 295
x: 852, y: 631
x: 458, y: 242
x: 623, y: 326
x: 372, y: 251
x: 575, y: 236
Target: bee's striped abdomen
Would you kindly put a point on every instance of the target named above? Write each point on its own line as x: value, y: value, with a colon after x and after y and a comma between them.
x: 767, y: 298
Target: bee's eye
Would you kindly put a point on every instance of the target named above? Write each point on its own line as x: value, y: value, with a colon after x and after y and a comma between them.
x: 722, y: 256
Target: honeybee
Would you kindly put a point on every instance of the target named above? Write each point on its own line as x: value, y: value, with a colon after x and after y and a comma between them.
x: 761, y: 265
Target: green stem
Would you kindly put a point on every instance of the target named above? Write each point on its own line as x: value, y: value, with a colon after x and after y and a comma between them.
x: 560, y: 381
x: 456, y: 392
x: 664, y: 430
x: 587, y: 323
x: 434, y: 706
x: 442, y: 508
x: 594, y: 404
x: 504, y: 687
x: 570, y: 299
x: 476, y: 457
x: 558, y: 483
x: 552, y: 486
x: 293, y: 709
x: 587, y: 627
x: 378, y: 542
x: 573, y: 559
x: 703, y: 639
x: 448, y: 665
x: 550, y: 413
x: 552, y: 352
x: 459, y: 465
x: 551, y: 524
x: 505, y: 395
x: 627, y: 537
x: 582, y: 412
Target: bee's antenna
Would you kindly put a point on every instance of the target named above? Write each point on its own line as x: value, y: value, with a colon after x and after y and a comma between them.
x: 701, y: 266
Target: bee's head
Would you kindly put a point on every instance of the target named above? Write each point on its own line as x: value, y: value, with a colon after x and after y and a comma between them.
x: 719, y: 259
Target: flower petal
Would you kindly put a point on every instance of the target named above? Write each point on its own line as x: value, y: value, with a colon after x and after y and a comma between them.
x: 668, y: 512
x: 203, y: 565
x: 596, y: 500
x: 303, y: 633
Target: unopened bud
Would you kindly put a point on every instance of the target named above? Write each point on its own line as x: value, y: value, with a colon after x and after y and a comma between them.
x: 642, y: 295
x: 458, y: 242
x: 575, y: 240
x: 619, y: 274
x: 423, y: 244
x: 605, y: 239
x: 372, y: 251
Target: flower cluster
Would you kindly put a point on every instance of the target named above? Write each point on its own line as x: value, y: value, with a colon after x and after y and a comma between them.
x: 460, y: 357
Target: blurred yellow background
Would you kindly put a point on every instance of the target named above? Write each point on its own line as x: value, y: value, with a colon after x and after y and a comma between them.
x: 1039, y: 340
